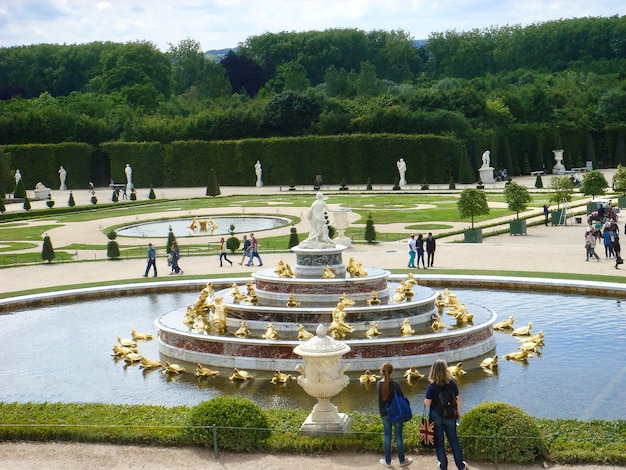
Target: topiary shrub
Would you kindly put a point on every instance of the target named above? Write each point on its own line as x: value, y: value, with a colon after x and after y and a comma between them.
x: 26, y: 205
x: 232, y: 244
x: 70, y: 200
x: 242, y: 425
x: 500, y: 432
x: 47, y: 251
x: 115, y: 197
x: 539, y: 182
x: 20, y: 190
x: 452, y: 184
x: 2, y: 206
x: 370, y: 230
x: 369, y: 184
x: 50, y: 203
x: 94, y: 200
x: 293, y: 238
x: 151, y: 194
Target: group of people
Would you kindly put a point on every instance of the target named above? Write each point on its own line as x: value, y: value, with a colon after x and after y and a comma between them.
x: 172, y: 259
x: 606, y: 233
x: 417, y: 248
x: 440, y: 379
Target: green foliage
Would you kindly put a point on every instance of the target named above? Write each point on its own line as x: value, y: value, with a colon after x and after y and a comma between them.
x: 151, y: 194
x: 170, y: 238
x: 26, y: 204
x: 20, y: 191
x: 244, y: 425
x: 619, y: 179
x: 369, y: 184
x: 47, y: 251
x: 94, y: 200
x: 70, y: 200
x: 472, y: 203
x: 517, y: 434
x: 451, y: 184
x: 517, y: 197
x: 370, y: 231
x: 50, y: 203
x: 562, y: 188
x: 112, y: 235
x: 113, y: 250
x: 213, y: 187
x: 594, y: 183
x: 2, y: 206
x: 538, y: 182
x: 232, y: 244
x: 466, y: 173
x: 293, y: 238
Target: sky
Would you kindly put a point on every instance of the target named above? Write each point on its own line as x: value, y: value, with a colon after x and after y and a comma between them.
x: 220, y: 24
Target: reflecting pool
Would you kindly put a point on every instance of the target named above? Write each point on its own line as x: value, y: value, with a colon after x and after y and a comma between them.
x: 62, y: 353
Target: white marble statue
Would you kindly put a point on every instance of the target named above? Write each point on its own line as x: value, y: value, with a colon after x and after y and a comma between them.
x: 62, y: 178
x: 402, y: 171
x: 486, y: 159
x: 318, y: 234
x: 129, y: 177
x: 18, y: 176
x: 558, y: 168
x: 258, y: 170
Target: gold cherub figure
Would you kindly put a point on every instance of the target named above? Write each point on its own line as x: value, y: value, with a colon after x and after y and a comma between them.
x: 338, y: 328
x: 242, y: 331
x: 406, y: 329
x: 328, y: 273
x: 270, y: 333
x: 303, y: 334
x: 373, y: 300
x: 292, y: 302
x: 372, y: 332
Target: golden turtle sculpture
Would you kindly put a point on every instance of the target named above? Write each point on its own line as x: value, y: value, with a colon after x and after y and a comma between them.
x: 523, y: 330
x: 490, y: 363
x: 240, y: 375
x: 280, y: 378
x: 368, y: 378
x: 412, y: 373
x: 505, y: 325
x: 141, y: 336
x: 202, y: 371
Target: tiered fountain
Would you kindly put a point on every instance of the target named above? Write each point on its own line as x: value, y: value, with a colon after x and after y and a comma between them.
x: 257, y: 325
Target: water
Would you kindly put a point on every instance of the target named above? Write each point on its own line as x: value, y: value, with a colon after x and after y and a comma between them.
x: 180, y: 227
x: 62, y: 353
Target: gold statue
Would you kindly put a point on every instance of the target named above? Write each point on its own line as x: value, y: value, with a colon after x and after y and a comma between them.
x: 172, y: 369
x: 203, y: 325
x: 403, y: 292
x: 219, y: 316
x: 129, y: 343
x: 406, y: 329
x: 283, y: 269
x: 240, y: 375
x: 411, y: 280
x: 505, y: 325
x: 360, y: 272
x: 338, y: 328
x: 303, y: 334
x: 203, y: 225
x: 523, y: 330
x: 529, y: 346
x: 202, y: 371
x: 412, y: 373
x: 328, y: 273
x: 190, y: 317
x: 148, y: 364
x: 490, y: 363
x: 440, y: 304
x: 243, y: 330
x: 270, y: 333
x: 355, y: 269
x: 121, y: 351
x: 194, y: 224
x: 251, y: 289
x: 133, y: 357
x: 538, y: 338
x: 236, y: 294
x: 368, y: 378
x: 292, y: 302
x: 212, y: 224
x: 280, y: 378
x: 373, y: 300
x: 372, y: 332
x: 457, y: 370
x: 346, y: 301
x: 518, y: 356
x: 141, y: 336
x: 461, y: 315
x: 437, y: 324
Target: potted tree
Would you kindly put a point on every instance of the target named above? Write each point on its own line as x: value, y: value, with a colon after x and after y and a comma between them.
x: 473, y: 202
x: 517, y: 197
x: 562, y: 188
x: 619, y: 184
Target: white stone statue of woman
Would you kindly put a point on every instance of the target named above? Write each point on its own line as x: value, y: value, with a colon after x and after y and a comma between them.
x: 18, y: 176
x: 259, y: 174
x: 318, y: 234
x: 62, y: 177
x: 129, y: 177
x: 402, y: 171
x: 486, y: 159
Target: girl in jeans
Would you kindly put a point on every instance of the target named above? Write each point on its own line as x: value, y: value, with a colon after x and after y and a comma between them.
x: 386, y: 389
x: 440, y: 379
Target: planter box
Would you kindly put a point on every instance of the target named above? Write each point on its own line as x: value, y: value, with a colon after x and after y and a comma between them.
x: 621, y: 201
x: 555, y: 217
x: 473, y: 235
x: 517, y: 227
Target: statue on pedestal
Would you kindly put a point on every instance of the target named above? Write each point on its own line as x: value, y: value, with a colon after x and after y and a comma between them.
x: 62, y: 177
x: 129, y: 177
x: 318, y: 234
x: 258, y: 170
x: 486, y: 159
x: 402, y: 171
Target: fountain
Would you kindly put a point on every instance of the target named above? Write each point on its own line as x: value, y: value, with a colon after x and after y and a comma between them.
x: 372, y: 310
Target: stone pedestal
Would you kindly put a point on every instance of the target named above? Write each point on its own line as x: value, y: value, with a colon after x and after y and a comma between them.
x: 311, y: 262
x: 486, y: 174
x: 340, y: 222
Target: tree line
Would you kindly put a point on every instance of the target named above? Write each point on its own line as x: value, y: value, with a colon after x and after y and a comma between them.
x: 521, y: 91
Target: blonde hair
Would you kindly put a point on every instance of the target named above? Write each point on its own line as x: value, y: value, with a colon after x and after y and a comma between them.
x: 386, y: 370
x: 439, y: 373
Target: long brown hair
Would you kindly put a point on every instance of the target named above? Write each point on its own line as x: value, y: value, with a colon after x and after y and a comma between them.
x: 386, y: 370
x: 439, y: 373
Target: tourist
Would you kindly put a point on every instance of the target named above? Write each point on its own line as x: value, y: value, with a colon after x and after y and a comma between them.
x: 420, y: 250
x: 246, y: 248
x: 223, y: 252
x: 607, y: 239
x: 175, y: 256
x: 431, y: 246
x: 151, y: 254
x: 254, y: 250
x: 412, y: 251
x: 546, y: 212
x: 441, y: 380
x: 617, y: 249
x: 386, y: 391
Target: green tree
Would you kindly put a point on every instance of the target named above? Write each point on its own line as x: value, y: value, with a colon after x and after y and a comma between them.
x: 292, y: 113
x: 619, y: 179
x: 70, y: 200
x: 370, y: 231
x: 517, y: 197
x: 538, y: 182
x: 293, y: 238
x: 562, y: 188
x: 170, y: 239
x: 113, y: 249
x: 20, y: 191
x: 472, y: 203
x: 594, y: 184
x: 213, y: 187
x: 47, y: 252
x: 187, y: 64
x: 26, y: 205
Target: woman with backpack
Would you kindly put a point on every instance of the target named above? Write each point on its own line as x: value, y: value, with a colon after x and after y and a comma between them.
x: 223, y: 252
x: 442, y: 397
x: 387, y: 388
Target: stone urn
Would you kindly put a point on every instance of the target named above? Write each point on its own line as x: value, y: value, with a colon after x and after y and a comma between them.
x: 322, y: 377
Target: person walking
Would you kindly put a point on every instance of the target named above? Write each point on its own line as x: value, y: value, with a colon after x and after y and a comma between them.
x: 245, y: 248
x: 175, y: 254
x: 441, y: 380
x: 617, y: 249
x: 223, y: 253
x: 387, y: 389
x: 546, y: 213
x: 607, y: 239
x: 431, y: 246
x: 412, y: 250
x: 420, y: 250
x: 151, y: 255
x: 590, y: 246
x: 254, y: 250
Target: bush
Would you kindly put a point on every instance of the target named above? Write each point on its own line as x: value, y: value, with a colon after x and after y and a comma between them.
x: 539, y: 182
x: 70, y: 200
x: 232, y: 244
x: 151, y: 194
x: 47, y: 251
x: 369, y: 184
x: 20, y: 190
x: 50, y: 203
x: 113, y: 250
x: 451, y: 185
x: 501, y: 432
x: 242, y: 425
x: 293, y: 238
x: 2, y: 206
x: 26, y: 205
x: 112, y: 235
x: 94, y: 200
x: 133, y: 195
x: 370, y: 231
x: 115, y: 197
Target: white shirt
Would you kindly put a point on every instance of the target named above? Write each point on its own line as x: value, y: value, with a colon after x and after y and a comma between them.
x: 412, y: 244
